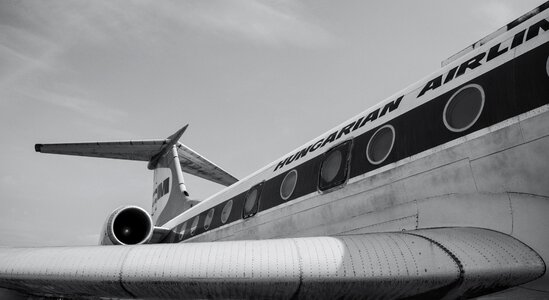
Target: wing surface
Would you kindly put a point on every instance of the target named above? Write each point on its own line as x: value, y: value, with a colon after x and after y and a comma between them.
x: 426, y: 264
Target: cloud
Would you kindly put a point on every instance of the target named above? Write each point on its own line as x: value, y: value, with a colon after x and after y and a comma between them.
x: 22, y: 44
x: 22, y: 51
x: 494, y: 13
x: 88, y: 239
x: 34, y: 36
x: 498, y: 13
x: 10, y: 180
x: 70, y: 100
x: 270, y: 23
x: 265, y: 22
x: 85, y: 107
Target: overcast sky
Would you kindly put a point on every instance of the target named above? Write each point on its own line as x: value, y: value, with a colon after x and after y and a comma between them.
x: 254, y: 79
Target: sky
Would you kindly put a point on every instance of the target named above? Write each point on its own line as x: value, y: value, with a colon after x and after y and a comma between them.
x: 253, y: 79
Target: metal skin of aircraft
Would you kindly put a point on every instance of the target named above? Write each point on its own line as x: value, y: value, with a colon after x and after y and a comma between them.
x: 438, y: 192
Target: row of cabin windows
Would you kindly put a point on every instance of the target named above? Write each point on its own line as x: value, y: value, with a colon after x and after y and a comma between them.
x: 460, y: 113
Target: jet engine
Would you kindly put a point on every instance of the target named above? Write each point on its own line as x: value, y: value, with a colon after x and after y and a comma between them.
x: 127, y: 225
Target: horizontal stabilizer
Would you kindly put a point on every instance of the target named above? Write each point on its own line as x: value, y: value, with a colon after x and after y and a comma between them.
x: 191, y: 162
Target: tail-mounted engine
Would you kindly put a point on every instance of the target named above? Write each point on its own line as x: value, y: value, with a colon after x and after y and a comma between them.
x: 127, y: 225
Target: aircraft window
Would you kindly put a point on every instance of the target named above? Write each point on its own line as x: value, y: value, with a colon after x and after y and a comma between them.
x: 226, y: 212
x: 547, y: 66
x: 181, y: 228
x: 182, y: 231
x: 194, y: 225
x: 208, y: 219
x: 252, y: 201
x: 331, y: 165
x: 288, y: 184
x: 166, y: 186
x: 334, y: 167
x: 380, y: 144
x: 464, y: 108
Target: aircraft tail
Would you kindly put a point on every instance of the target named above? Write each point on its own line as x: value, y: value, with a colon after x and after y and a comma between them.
x: 168, y: 159
x: 170, y: 196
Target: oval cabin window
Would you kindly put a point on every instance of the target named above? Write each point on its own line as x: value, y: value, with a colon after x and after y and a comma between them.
x: 180, y: 229
x: 252, y: 201
x: 208, y: 219
x: 331, y: 166
x: 547, y: 66
x: 194, y: 225
x: 226, y: 212
x: 380, y: 144
x: 334, y: 166
x: 464, y: 108
x: 288, y: 184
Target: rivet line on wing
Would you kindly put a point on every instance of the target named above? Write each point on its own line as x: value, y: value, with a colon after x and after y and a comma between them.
x: 456, y: 284
x: 300, y: 260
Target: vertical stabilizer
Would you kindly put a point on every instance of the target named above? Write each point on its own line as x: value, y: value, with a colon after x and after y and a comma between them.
x: 170, y: 196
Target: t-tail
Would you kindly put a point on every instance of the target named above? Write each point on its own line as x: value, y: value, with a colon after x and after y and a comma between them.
x: 169, y: 159
x: 170, y: 196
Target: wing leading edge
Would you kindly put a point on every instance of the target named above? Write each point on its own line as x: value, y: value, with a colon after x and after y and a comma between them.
x: 431, y: 263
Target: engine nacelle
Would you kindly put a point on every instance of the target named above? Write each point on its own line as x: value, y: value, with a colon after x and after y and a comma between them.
x: 127, y: 225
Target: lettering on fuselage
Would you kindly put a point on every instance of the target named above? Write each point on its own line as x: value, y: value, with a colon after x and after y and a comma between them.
x: 484, y: 57
x: 162, y: 189
x: 336, y: 135
x: 474, y: 62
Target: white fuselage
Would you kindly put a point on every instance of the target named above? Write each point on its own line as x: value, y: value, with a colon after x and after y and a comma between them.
x: 491, y: 175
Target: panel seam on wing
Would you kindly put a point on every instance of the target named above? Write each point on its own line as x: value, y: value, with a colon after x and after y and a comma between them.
x: 456, y: 260
x: 120, y: 275
x: 300, y: 262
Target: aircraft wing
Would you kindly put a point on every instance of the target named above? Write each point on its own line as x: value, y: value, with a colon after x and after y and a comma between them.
x: 430, y: 263
x: 191, y: 162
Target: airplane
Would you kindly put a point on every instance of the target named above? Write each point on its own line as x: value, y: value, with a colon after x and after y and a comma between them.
x: 438, y: 192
